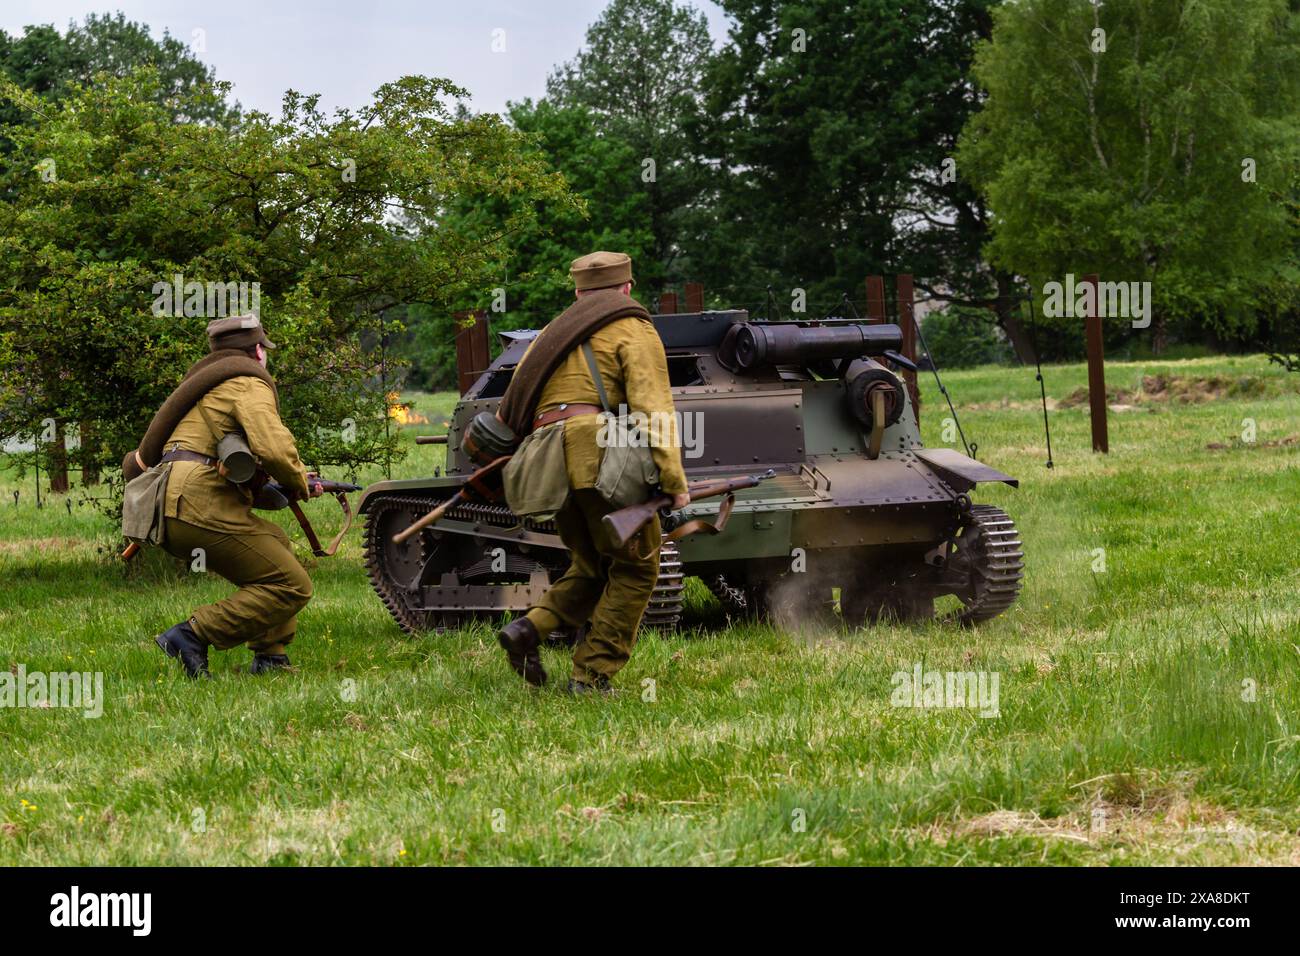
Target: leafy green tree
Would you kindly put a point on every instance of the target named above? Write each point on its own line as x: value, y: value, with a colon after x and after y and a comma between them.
x: 639, y: 81
x: 1145, y: 140
x: 338, y: 220
x: 832, y: 126
x: 52, y: 65
x: 530, y: 278
x: 963, y: 337
x: 611, y: 124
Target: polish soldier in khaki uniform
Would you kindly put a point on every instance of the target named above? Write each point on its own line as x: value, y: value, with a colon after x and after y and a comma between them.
x: 207, y: 513
x: 605, y: 585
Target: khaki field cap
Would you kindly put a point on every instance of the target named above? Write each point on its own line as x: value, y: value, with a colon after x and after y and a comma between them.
x: 237, y: 332
x: 601, y: 270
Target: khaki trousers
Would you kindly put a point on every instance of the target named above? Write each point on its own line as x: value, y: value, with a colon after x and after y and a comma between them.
x: 606, y: 585
x: 273, y: 585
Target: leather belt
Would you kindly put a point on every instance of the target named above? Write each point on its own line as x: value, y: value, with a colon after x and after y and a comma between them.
x: 567, y: 410
x: 184, y: 454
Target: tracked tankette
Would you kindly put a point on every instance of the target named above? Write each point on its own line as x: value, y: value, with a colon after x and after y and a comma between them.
x: 858, y: 507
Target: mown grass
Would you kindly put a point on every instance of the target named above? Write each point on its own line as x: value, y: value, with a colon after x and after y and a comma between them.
x: 1128, y: 732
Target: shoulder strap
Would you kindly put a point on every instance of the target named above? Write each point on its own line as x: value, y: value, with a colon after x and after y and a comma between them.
x: 595, y: 374
x: 207, y: 419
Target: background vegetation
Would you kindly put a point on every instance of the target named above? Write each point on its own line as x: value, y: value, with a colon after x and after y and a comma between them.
x: 984, y: 147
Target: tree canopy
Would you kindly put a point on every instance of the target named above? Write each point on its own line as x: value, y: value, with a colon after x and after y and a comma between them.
x: 336, y: 219
x: 1145, y: 140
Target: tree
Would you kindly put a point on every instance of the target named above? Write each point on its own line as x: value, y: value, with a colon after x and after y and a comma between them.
x: 51, y: 64
x: 531, y: 276
x: 111, y: 200
x: 832, y: 126
x: 639, y: 78
x: 1145, y: 140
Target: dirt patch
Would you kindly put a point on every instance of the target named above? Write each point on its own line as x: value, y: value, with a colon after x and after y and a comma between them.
x: 1139, y: 809
x: 1286, y: 442
x: 28, y: 545
x: 1182, y: 389
x: 1007, y: 404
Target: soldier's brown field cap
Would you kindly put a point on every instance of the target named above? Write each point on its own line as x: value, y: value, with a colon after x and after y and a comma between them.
x: 237, y: 332
x: 601, y: 270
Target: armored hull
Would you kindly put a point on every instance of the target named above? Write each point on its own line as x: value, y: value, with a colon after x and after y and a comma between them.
x: 860, y: 521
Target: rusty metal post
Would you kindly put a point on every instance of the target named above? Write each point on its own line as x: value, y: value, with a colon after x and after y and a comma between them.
x: 875, y: 299
x: 667, y: 303
x: 1096, y: 372
x: 694, y: 297
x: 907, y: 322
x: 473, y: 352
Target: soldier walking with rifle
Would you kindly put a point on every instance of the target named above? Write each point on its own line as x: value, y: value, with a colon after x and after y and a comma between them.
x: 182, y: 494
x: 601, y: 353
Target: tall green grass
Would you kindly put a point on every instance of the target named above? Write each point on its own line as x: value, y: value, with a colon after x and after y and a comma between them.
x: 1148, y: 713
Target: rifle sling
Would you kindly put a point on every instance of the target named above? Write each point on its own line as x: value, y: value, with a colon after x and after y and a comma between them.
x: 595, y: 375
x: 695, y: 526
x: 310, y: 532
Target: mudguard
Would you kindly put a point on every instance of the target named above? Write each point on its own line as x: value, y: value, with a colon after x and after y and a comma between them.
x: 959, y: 471
x: 451, y: 483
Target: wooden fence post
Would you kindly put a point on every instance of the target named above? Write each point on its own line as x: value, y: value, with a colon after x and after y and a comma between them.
x: 694, y: 297
x: 473, y: 352
x: 875, y: 299
x: 907, y: 322
x: 1096, y: 372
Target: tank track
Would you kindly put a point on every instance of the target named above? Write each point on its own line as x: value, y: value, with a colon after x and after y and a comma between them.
x: 997, y: 563
x: 665, y: 609
x: 733, y: 599
x: 412, y: 621
x: 663, y: 612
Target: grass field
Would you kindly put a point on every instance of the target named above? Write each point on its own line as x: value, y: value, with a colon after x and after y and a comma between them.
x: 1149, y: 713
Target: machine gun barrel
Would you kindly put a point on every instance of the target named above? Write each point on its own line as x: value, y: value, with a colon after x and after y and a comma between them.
x: 754, y: 344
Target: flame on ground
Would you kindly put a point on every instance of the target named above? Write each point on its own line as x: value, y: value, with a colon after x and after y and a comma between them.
x: 402, y: 412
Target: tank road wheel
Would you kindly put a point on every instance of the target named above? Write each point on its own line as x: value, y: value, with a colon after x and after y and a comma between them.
x: 987, y: 554
x: 395, y: 570
x: 665, y: 608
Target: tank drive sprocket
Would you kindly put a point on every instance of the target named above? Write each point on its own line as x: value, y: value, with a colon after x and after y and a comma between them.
x: 988, y: 550
x: 393, y: 567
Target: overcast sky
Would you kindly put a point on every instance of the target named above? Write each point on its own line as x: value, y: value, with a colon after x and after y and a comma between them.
x: 344, y: 49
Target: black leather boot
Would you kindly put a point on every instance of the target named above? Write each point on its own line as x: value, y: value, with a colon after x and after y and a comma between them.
x: 520, y: 640
x: 181, y: 641
x: 263, y: 663
x: 601, y: 686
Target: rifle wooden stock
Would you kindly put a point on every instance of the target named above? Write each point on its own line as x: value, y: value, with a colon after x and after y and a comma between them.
x: 428, y: 519
x: 626, y: 522
x: 476, y: 484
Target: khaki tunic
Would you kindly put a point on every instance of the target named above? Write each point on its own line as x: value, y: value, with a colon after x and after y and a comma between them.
x: 205, y: 512
x: 198, y: 494
x: 630, y: 356
x: 605, y: 585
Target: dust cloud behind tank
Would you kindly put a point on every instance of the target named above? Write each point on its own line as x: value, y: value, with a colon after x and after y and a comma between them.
x: 858, y: 508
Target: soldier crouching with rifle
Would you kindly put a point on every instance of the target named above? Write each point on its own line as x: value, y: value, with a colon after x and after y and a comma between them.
x: 197, y: 508
x: 602, y: 353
